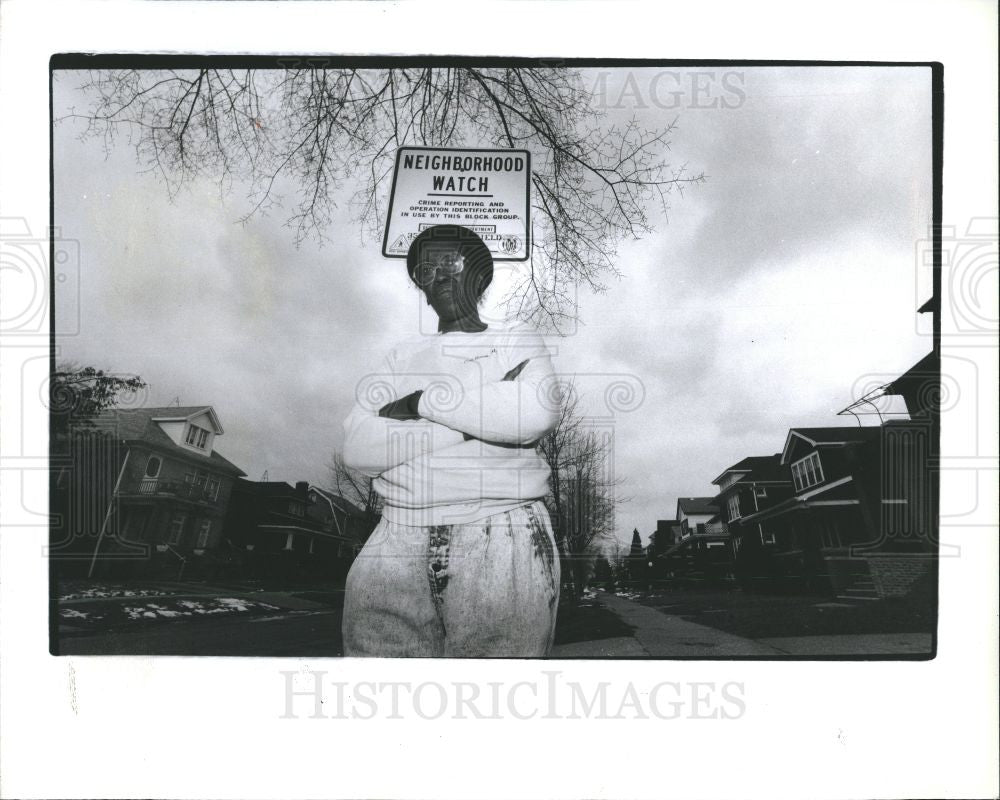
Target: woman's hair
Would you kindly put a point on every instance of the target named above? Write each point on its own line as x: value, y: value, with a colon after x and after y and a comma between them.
x: 478, y: 259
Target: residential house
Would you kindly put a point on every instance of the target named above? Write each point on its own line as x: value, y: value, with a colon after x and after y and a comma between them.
x: 745, y: 488
x: 666, y: 535
x: 347, y: 526
x: 291, y: 533
x: 701, y: 553
x: 827, y: 537
x: 148, y: 490
x: 695, y: 511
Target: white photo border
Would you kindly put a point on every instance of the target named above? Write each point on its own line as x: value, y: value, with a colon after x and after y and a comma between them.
x: 212, y: 727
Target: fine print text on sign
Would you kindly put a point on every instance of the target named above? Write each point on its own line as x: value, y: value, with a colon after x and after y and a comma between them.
x: 485, y: 190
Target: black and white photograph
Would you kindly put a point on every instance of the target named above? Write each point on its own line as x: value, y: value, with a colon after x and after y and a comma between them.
x: 474, y: 358
x: 435, y: 400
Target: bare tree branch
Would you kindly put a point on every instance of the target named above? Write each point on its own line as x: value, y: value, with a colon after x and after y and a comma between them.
x: 583, y: 495
x: 327, y: 130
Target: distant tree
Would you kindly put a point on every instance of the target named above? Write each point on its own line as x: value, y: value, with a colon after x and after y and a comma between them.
x: 582, y: 497
x: 353, y: 486
x: 328, y: 129
x: 635, y: 551
x: 637, y: 558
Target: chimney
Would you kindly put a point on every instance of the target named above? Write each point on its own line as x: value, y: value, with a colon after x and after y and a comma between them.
x: 302, y: 488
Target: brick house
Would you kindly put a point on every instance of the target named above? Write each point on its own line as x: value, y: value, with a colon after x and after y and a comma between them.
x: 170, y: 489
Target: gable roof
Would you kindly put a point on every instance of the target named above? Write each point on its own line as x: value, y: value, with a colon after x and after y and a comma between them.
x: 761, y: 468
x: 184, y: 413
x: 819, y: 437
x: 926, y: 370
x: 697, y: 505
x: 137, y: 425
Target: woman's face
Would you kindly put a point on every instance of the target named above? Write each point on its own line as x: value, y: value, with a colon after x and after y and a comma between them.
x: 446, y: 283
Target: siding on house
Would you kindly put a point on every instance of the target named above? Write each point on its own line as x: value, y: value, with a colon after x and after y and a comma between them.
x: 133, y: 493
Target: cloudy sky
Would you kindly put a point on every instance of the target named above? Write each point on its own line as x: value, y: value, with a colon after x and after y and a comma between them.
x: 774, y: 292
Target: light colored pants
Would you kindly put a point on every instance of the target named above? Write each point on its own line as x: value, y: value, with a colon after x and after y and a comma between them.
x: 485, y: 589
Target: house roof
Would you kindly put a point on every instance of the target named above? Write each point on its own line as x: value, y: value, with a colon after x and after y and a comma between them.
x: 840, y: 492
x: 818, y: 437
x: 344, y: 505
x: 269, y: 488
x: 697, y: 505
x: 761, y: 468
x: 184, y: 413
x: 926, y: 369
x: 137, y: 425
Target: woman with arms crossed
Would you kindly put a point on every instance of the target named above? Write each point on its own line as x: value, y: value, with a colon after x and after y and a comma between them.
x: 463, y: 562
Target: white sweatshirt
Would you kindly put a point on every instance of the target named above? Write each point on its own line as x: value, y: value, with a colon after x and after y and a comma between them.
x: 426, y: 470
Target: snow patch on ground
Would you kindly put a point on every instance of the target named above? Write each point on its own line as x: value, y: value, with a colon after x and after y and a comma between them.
x: 72, y: 613
x: 97, y: 592
x: 190, y: 608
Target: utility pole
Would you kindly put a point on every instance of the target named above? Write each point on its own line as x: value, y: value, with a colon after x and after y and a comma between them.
x: 107, y: 516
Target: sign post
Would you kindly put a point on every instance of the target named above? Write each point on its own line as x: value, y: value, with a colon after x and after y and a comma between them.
x: 486, y: 191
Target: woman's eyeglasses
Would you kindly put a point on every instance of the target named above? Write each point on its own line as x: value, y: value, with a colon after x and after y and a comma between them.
x: 447, y: 262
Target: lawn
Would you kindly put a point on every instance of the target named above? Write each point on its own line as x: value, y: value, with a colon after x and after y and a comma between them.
x: 760, y: 616
x: 105, y: 613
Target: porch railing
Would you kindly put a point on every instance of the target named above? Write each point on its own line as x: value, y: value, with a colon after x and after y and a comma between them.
x: 188, y: 491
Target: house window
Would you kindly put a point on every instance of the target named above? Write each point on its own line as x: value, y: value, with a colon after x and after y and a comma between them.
x: 768, y: 537
x: 153, y: 467
x: 807, y: 472
x: 204, y: 532
x: 177, y: 528
x: 759, y: 492
x: 196, y: 437
x: 212, y: 488
x: 200, y: 484
x: 296, y: 509
x: 734, y: 507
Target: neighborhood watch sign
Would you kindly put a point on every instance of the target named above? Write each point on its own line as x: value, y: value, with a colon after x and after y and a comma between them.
x: 487, y: 191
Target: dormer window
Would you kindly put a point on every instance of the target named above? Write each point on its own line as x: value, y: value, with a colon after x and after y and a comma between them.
x: 196, y: 437
x: 807, y: 472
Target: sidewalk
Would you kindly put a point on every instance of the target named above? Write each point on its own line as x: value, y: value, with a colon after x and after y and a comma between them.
x: 659, y: 635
